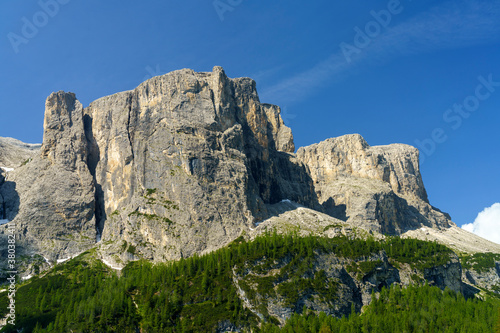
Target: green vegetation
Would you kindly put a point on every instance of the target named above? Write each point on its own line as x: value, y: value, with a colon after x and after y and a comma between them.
x: 198, y: 293
x: 363, y: 267
x: 332, y: 226
x: 72, y: 295
x: 412, y: 309
x: 26, y: 162
x: 159, y: 199
x: 418, y: 254
x: 131, y: 249
x: 150, y: 191
x: 151, y: 216
x: 480, y: 262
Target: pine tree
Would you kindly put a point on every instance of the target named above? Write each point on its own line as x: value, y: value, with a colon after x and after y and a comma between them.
x: 38, y: 328
x: 43, y: 303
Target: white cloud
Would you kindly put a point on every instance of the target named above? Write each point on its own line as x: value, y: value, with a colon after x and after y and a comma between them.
x: 452, y: 25
x: 487, y: 224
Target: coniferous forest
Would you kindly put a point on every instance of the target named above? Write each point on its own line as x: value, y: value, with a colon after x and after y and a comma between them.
x: 198, y: 294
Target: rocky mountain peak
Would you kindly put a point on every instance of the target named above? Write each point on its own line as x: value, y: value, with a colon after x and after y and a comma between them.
x: 64, y: 140
x: 187, y: 162
x: 351, y: 156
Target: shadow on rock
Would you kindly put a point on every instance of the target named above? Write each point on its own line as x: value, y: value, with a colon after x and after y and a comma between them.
x: 9, y: 201
x: 93, y: 158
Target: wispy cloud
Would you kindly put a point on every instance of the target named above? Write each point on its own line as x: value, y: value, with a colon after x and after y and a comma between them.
x: 448, y: 26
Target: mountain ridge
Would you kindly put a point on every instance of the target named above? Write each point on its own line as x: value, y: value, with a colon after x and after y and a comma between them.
x: 188, y: 176
x: 187, y: 162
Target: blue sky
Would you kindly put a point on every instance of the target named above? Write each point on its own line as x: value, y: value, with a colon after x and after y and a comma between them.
x: 393, y: 71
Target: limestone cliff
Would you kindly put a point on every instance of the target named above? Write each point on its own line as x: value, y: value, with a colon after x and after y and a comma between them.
x: 379, y: 188
x: 50, y: 200
x: 182, y: 164
x: 185, y: 163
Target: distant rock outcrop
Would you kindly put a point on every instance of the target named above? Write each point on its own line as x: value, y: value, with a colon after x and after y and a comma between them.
x: 379, y: 188
x: 14, y: 153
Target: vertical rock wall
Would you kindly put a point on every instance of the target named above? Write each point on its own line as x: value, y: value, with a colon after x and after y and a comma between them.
x: 50, y: 200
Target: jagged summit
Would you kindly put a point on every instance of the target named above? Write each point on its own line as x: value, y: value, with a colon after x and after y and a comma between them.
x: 187, y: 162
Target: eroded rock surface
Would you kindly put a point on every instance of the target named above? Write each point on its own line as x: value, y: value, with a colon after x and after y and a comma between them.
x: 50, y: 199
x: 347, y: 282
x: 14, y: 153
x: 379, y: 188
x: 186, y: 162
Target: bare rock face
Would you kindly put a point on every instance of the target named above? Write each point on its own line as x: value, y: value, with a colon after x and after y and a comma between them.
x: 14, y: 153
x: 185, y: 162
x: 379, y: 188
x: 180, y: 165
x: 487, y: 278
x: 50, y: 199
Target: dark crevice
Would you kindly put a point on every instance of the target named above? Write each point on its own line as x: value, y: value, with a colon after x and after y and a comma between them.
x: 93, y: 158
x: 3, y: 215
x: 129, y: 103
x: 10, y: 201
x: 2, y: 207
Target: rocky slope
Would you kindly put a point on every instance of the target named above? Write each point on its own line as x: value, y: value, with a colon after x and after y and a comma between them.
x: 13, y: 153
x: 332, y: 284
x: 187, y: 162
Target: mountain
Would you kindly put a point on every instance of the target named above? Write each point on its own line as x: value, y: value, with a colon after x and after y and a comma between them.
x: 188, y: 163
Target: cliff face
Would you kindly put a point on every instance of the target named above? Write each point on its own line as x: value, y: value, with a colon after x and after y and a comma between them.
x: 379, y: 188
x: 50, y: 200
x: 13, y: 153
x: 187, y: 162
x: 351, y: 156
